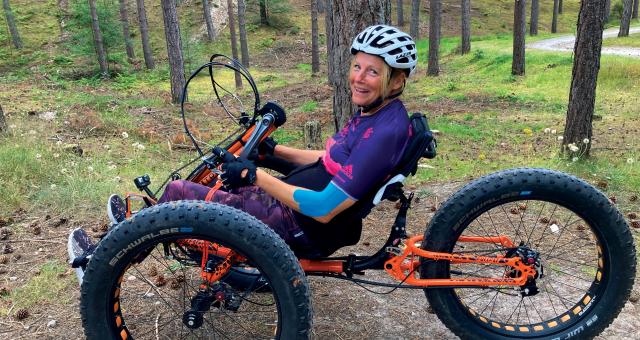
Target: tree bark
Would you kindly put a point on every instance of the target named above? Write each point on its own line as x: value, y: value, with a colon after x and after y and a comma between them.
x: 97, y: 39
x: 533, y: 24
x: 415, y: 19
x: 313, y: 135
x: 11, y: 22
x: 345, y: 19
x: 435, y: 16
x: 554, y: 19
x: 321, y: 6
x: 234, y: 40
x: 264, y: 14
x: 315, y: 47
x: 634, y: 15
x: 124, y: 18
x: 400, y: 11
x: 586, y: 65
x: 560, y: 7
x: 607, y: 10
x: 174, y: 49
x: 144, y: 35
x: 207, y: 20
x: 3, y: 122
x: 465, y: 46
x: 63, y: 7
x: 519, y: 31
x: 242, y: 28
x: 625, y: 20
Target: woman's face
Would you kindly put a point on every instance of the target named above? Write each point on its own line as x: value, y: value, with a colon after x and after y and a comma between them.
x: 365, y: 79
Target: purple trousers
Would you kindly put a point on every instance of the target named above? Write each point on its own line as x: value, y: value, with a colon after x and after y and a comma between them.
x: 250, y: 199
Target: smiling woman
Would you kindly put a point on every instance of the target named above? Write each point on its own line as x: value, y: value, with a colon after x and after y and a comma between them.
x: 318, y: 206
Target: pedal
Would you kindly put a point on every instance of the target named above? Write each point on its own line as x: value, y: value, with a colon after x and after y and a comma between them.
x: 79, y: 248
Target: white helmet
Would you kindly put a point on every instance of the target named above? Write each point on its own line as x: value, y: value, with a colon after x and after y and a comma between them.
x: 391, y: 44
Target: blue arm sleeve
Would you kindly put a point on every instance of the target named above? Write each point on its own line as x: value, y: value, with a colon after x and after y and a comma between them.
x: 319, y: 203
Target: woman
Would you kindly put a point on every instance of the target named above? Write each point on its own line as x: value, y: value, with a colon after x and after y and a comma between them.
x: 315, y: 208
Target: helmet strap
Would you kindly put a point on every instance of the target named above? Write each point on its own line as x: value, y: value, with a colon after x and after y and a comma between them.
x: 376, y: 103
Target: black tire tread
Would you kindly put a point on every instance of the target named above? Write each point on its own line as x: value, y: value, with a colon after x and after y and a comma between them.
x: 439, y: 235
x: 265, y: 245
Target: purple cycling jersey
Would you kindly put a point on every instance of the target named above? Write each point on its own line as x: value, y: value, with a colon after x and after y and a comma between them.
x: 367, y: 149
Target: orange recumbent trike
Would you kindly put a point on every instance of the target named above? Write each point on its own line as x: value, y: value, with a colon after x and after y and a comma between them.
x: 522, y: 253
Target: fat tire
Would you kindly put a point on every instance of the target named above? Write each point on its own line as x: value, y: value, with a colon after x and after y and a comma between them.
x: 568, y: 191
x: 248, y: 235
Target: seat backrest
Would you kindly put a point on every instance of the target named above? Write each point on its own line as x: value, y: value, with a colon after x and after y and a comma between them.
x: 421, y: 144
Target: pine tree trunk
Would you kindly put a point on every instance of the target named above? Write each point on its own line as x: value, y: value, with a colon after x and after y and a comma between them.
x: 321, y: 6
x: 586, y: 64
x: 63, y: 18
x: 533, y: 24
x: 634, y: 15
x: 519, y: 32
x: 315, y: 46
x: 207, y: 20
x: 345, y: 19
x: 124, y: 18
x: 400, y: 11
x: 242, y: 28
x: 174, y: 49
x: 3, y: 122
x: 435, y: 15
x: 144, y: 35
x: 560, y: 7
x: 97, y: 38
x: 465, y: 8
x: 625, y: 20
x: 234, y: 40
x: 607, y: 10
x: 11, y: 22
x: 264, y: 14
x: 554, y: 19
x: 414, y: 30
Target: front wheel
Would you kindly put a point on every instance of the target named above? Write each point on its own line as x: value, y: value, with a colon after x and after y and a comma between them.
x: 585, y: 257
x: 144, y: 279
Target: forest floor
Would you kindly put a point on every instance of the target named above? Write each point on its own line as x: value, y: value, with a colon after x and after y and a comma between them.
x: 342, y: 310
x: 565, y: 43
x: 487, y: 120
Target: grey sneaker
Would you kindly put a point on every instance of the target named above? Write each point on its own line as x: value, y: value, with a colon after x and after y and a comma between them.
x: 80, y: 247
x: 116, y: 209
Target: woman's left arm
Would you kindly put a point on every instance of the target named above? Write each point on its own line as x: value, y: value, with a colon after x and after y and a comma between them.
x: 320, y: 205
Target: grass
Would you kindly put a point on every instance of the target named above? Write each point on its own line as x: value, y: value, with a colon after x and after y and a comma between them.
x: 633, y: 40
x: 505, y: 131
x: 44, y: 287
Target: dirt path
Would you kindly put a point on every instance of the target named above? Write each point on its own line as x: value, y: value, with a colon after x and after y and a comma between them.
x: 342, y: 310
x: 565, y: 44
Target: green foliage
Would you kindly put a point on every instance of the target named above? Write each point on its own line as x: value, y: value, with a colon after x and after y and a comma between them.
x: 309, y: 106
x: 278, y: 13
x: 82, y: 43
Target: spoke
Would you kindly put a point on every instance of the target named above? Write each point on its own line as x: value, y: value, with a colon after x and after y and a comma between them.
x: 514, y: 310
x: 488, y: 303
x: 526, y: 311
x: 536, y: 222
x: 544, y: 230
x: 556, y: 294
x: 574, y: 276
x: 517, y: 234
x: 536, y: 309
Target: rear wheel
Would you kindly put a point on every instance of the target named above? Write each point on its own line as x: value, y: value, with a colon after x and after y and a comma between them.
x: 144, y: 281
x: 584, y: 250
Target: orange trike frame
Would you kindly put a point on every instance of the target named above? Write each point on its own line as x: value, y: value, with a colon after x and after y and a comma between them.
x: 400, y: 262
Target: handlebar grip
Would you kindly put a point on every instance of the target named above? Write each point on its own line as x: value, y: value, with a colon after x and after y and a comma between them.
x: 262, y: 126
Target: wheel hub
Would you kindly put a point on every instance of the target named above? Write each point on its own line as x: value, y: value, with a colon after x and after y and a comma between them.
x: 531, y: 258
